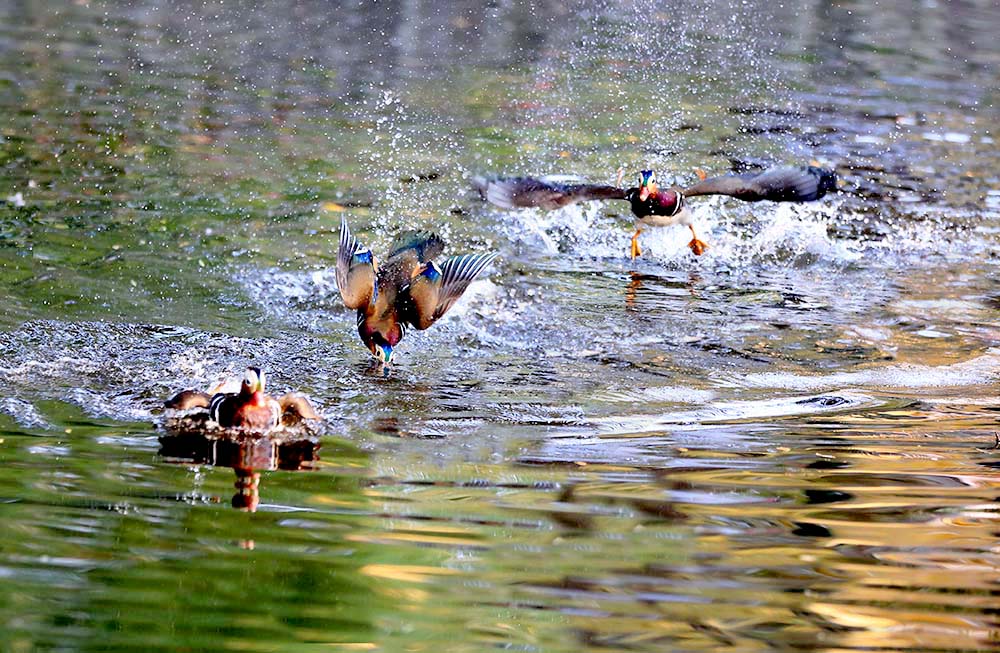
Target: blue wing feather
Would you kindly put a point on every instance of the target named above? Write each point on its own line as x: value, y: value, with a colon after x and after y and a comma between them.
x: 356, y: 275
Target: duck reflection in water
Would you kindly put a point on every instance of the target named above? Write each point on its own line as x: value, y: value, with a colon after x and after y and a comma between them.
x: 636, y: 284
x: 247, y: 456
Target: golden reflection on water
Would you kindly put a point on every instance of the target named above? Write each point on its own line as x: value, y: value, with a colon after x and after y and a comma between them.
x: 847, y: 538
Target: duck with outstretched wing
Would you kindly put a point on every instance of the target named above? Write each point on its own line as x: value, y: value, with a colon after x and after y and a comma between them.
x: 656, y: 207
x: 413, y: 288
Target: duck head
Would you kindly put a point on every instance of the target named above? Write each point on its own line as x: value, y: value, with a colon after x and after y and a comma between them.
x: 647, y: 185
x: 382, y: 347
x: 382, y: 351
x: 253, y: 384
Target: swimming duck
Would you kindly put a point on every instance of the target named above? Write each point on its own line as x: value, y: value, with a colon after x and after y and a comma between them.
x: 411, y: 289
x: 653, y: 206
x: 249, y: 408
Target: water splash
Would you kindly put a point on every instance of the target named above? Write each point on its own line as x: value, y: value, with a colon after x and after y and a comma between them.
x: 742, y: 236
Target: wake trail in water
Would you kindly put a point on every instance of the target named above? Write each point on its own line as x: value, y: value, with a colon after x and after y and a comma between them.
x: 976, y: 371
x: 731, y: 412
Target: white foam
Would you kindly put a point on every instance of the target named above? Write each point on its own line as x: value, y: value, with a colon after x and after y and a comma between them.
x: 664, y: 394
x: 24, y: 413
x: 56, y: 368
x: 730, y: 411
x: 271, y: 286
x: 98, y: 405
x: 976, y: 371
x: 478, y: 297
x: 581, y: 228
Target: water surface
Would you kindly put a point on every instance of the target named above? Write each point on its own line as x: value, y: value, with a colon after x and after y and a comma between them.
x: 785, y: 444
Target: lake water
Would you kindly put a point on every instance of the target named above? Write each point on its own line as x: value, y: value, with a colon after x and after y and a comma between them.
x: 785, y: 444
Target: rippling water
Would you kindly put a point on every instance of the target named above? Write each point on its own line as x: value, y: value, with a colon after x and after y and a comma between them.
x: 785, y: 444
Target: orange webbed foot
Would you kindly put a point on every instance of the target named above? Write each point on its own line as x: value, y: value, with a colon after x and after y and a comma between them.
x: 636, y: 250
x: 698, y: 246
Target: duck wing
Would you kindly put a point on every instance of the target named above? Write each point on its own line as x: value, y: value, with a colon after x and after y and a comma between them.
x: 295, y: 408
x: 435, y: 289
x: 188, y: 399
x: 356, y: 276
x: 546, y: 193
x: 222, y: 408
x: 781, y: 184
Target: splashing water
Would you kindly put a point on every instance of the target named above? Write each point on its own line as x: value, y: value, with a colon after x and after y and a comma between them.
x: 782, y: 444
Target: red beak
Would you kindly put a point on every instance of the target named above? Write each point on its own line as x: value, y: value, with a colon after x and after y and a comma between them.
x: 643, y: 193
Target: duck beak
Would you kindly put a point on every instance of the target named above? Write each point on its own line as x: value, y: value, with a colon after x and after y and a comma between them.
x: 643, y: 193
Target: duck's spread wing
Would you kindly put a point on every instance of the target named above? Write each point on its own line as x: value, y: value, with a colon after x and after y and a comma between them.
x: 295, y: 407
x: 434, y: 289
x: 355, y: 270
x: 782, y: 184
x: 523, y: 192
x: 188, y: 399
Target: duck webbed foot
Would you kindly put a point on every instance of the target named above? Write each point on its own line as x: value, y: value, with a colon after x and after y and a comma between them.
x: 636, y: 250
x: 697, y: 246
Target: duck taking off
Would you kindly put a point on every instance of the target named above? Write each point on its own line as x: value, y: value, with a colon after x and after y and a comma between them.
x: 413, y: 288
x: 653, y: 206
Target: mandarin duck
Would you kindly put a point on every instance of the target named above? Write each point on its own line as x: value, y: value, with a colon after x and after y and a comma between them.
x: 414, y: 287
x: 653, y: 206
x: 250, y: 407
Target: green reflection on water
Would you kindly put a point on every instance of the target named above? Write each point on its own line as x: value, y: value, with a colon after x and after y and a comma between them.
x: 141, y: 555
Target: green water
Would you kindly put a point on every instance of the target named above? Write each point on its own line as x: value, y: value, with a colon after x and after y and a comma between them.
x: 782, y: 445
